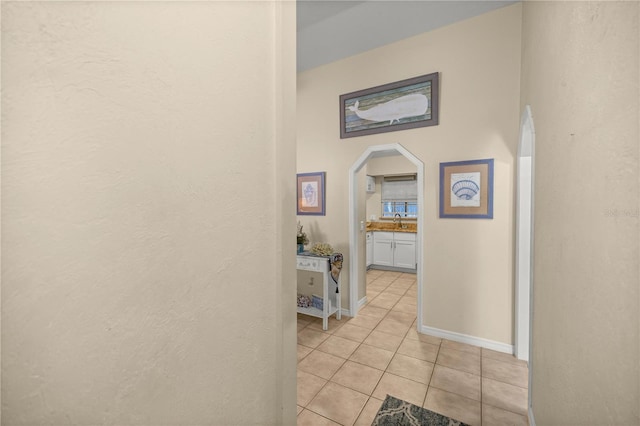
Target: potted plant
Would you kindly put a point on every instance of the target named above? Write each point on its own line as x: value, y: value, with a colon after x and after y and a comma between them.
x: 301, y: 239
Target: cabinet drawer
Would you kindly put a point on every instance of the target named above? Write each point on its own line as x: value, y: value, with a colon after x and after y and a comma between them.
x: 404, y: 236
x: 310, y: 263
x: 380, y: 236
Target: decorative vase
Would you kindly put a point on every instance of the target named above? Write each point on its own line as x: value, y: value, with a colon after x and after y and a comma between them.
x: 300, y: 248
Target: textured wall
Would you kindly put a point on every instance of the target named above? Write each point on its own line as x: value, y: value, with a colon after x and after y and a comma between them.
x: 580, y: 76
x: 144, y: 160
x: 468, y: 264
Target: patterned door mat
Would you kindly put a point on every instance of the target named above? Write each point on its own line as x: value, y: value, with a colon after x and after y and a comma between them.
x: 396, y: 412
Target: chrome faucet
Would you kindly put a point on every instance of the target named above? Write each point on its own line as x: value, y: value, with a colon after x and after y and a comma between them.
x: 399, y: 219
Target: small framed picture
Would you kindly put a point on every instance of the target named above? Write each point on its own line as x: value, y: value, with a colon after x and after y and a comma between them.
x: 311, y: 193
x: 466, y: 189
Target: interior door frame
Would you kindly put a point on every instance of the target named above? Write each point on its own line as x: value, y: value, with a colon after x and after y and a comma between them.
x: 354, y: 223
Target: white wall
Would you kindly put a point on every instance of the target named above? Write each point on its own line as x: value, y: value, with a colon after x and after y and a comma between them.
x: 580, y: 76
x: 137, y: 137
x: 468, y: 264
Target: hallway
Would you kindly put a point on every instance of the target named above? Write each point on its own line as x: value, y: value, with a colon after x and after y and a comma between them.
x: 345, y: 373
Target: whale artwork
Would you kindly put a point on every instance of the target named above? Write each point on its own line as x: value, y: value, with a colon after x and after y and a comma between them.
x: 394, y: 110
x: 401, y: 105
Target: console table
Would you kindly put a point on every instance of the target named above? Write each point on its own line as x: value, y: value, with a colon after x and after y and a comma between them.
x: 331, y: 300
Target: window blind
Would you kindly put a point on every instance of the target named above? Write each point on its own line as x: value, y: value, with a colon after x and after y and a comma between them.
x: 403, y: 190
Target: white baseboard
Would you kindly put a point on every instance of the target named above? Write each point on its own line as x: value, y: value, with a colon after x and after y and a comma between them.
x: 361, y: 303
x: 532, y: 421
x: 471, y: 340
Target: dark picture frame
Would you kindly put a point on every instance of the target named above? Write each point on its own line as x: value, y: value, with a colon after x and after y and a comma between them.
x: 402, y: 105
x: 311, y: 193
x: 466, y: 189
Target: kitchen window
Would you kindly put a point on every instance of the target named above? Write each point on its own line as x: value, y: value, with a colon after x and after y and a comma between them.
x: 404, y: 208
x: 400, y: 196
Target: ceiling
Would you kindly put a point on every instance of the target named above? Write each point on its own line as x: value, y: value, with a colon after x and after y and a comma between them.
x: 330, y: 30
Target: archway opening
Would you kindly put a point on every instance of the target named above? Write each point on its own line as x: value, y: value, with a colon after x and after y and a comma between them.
x: 357, y: 219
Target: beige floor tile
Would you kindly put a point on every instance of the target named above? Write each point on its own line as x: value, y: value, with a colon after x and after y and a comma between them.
x: 385, y: 300
x: 402, y: 283
x: 418, y: 349
x: 414, y: 335
x: 309, y: 418
x: 413, y: 293
x: 402, y: 317
x: 494, y: 416
x: 303, y: 351
x: 365, y: 321
x: 392, y: 326
x: 514, y: 374
x: 311, y: 338
x: 503, y: 395
x: 386, y: 281
x: 411, y: 368
x: 459, y: 360
x: 409, y: 299
x: 456, y: 381
x: 333, y: 324
x: 377, y: 287
x: 382, y: 340
x: 395, y: 289
x: 405, y: 307
x: 338, y: 403
x: 308, y: 386
x: 369, y: 412
x: 373, y: 311
x: 299, y: 409
x: 353, y: 332
x: 455, y: 406
x: 321, y: 364
x: 501, y: 356
x: 449, y: 344
x: 400, y: 387
x: 338, y: 346
x: 372, y: 356
x: 372, y: 295
x: 359, y: 377
x: 302, y: 324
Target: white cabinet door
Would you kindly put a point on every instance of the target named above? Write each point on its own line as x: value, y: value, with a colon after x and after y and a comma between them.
x: 383, y: 248
x: 369, y: 248
x: 371, y: 184
x: 404, y: 255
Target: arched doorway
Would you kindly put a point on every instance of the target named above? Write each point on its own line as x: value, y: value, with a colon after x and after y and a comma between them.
x: 356, y: 269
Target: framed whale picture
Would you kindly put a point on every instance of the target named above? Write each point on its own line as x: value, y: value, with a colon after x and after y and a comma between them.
x: 466, y: 189
x: 402, y: 105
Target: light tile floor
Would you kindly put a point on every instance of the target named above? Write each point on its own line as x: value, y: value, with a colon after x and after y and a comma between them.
x: 345, y: 373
